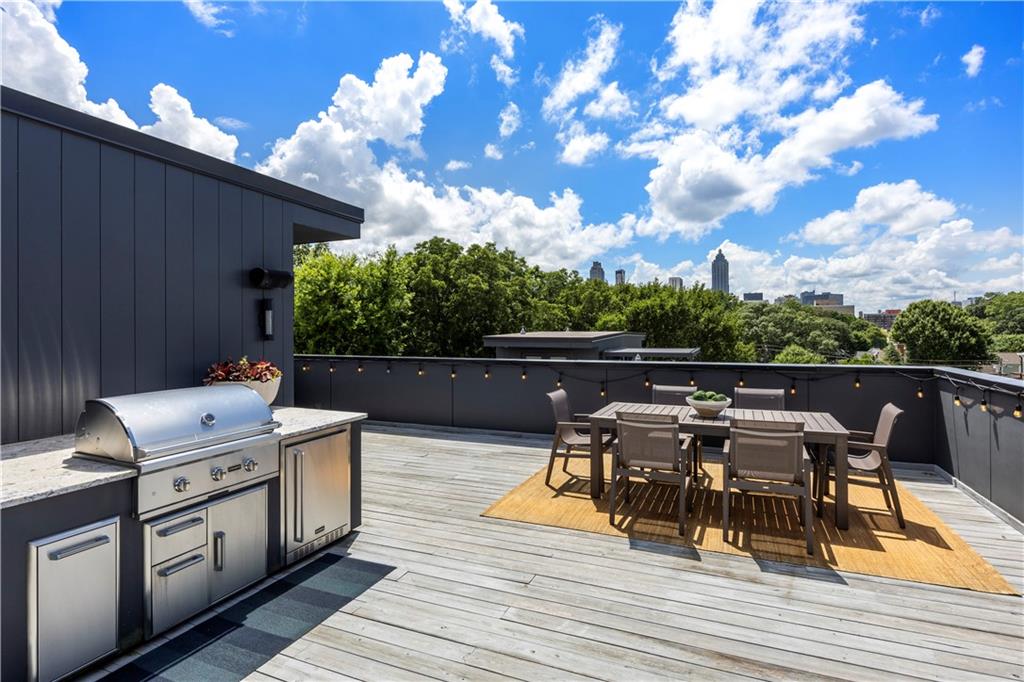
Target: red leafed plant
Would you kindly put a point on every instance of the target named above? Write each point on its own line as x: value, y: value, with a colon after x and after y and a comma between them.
x: 243, y: 370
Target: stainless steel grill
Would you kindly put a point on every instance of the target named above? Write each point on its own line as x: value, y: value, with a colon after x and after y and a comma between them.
x: 188, y: 444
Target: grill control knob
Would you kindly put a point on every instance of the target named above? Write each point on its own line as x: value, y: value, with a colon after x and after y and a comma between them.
x: 218, y: 474
x: 181, y: 484
x: 250, y: 464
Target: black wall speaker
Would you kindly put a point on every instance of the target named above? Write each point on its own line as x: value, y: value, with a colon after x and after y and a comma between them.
x: 262, y: 278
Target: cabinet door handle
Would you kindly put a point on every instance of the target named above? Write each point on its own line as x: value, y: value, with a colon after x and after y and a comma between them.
x: 98, y: 541
x: 297, y: 497
x: 177, y: 528
x: 219, y: 545
x: 181, y: 565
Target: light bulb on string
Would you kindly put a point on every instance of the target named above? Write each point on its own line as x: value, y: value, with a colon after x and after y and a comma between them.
x: 693, y: 382
x: 558, y: 381
x: 387, y: 369
x: 1017, y: 410
x: 856, y: 380
x: 984, y: 403
x: 792, y: 388
x: 741, y: 383
x: 453, y: 374
x: 331, y: 368
x: 603, y: 391
x: 523, y: 375
x: 487, y: 372
x: 956, y: 398
x: 359, y: 368
x: 920, y: 391
x: 420, y: 372
x: 305, y: 367
x: 647, y: 381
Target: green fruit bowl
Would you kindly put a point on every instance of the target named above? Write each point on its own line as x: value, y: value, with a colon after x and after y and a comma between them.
x: 708, y: 408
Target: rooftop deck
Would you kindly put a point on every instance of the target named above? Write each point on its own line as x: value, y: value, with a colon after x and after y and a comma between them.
x: 479, y: 598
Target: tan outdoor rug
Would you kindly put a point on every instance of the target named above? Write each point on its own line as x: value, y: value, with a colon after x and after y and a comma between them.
x: 763, y: 527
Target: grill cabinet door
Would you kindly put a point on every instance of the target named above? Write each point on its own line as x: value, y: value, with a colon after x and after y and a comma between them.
x: 73, y: 590
x: 237, y: 541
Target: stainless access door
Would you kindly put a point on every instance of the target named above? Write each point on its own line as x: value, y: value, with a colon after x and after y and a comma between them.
x: 317, y: 488
x: 237, y: 541
x: 73, y: 595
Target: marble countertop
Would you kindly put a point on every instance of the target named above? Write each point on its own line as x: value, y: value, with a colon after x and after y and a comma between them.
x: 37, y: 469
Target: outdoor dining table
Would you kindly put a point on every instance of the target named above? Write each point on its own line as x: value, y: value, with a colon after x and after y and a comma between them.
x: 820, y: 428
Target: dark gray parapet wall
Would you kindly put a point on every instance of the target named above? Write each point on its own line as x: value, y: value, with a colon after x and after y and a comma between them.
x: 125, y: 263
x: 983, y: 449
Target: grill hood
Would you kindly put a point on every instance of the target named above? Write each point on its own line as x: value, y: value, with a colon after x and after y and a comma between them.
x: 145, y: 426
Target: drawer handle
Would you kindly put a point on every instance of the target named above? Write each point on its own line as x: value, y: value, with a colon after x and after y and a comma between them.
x: 181, y: 565
x: 177, y: 528
x: 79, y: 548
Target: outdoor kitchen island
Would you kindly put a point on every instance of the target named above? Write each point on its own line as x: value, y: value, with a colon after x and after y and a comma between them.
x: 56, y: 508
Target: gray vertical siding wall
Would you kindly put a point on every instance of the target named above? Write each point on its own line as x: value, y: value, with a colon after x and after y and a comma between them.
x: 985, y: 450
x: 124, y: 273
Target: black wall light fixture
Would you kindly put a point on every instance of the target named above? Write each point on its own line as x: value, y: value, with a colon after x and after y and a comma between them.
x: 262, y: 278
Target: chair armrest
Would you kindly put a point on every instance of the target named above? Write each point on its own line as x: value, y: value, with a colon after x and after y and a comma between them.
x: 580, y: 416
x: 573, y: 425
x: 854, y: 445
x: 863, y: 435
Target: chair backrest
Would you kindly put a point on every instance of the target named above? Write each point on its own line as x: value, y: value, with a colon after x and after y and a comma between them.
x: 772, y: 451
x: 886, y: 423
x: 759, y: 399
x: 663, y: 394
x: 648, y: 440
x: 560, y: 406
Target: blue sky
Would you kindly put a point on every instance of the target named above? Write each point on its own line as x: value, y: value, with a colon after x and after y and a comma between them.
x: 873, y: 149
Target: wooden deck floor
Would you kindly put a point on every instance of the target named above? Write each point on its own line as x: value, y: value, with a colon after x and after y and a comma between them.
x: 476, y: 598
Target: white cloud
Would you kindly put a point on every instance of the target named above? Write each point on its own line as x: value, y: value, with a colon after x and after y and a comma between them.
x: 578, y: 145
x: 509, y: 120
x: 457, y: 165
x: 972, y: 60
x: 929, y: 15
x: 484, y: 19
x: 37, y: 60
x: 505, y: 74
x: 704, y: 176
x: 851, y: 170
x: 610, y: 103
x: 230, y: 123
x: 209, y: 14
x: 983, y: 104
x: 493, y: 151
x: 403, y: 209
x: 584, y: 74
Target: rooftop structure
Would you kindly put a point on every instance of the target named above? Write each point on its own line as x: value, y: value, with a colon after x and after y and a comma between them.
x: 824, y: 298
x: 720, y: 273
x: 883, y: 318
x: 836, y: 308
x: 753, y: 296
x: 620, y: 276
x: 597, y: 271
x: 568, y: 344
x: 675, y: 283
x: 652, y: 354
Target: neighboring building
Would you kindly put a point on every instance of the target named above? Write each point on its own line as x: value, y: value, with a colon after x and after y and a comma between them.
x: 883, y: 318
x: 720, y: 273
x: 561, y: 345
x: 1008, y: 364
x: 596, y: 271
x: 824, y: 298
x: 753, y: 296
x: 782, y: 299
x: 675, y: 283
x: 844, y: 309
x: 620, y: 276
x: 669, y: 354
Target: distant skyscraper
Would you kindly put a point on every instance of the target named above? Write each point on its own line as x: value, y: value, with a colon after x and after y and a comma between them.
x: 824, y: 298
x: 753, y: 296
x: 720, y: 273
x: 676, y: 283
x: 596, y: 271
x: 620, y: 276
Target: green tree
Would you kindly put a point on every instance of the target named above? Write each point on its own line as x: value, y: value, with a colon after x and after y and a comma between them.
x: 798, y: 355
x: 938, y: 332
x: 1004, y: 312
x: 770, y: 327
x: 1008, y: 343
x: 385, y: 305
x: 327, y: 309
x: 303, y: 252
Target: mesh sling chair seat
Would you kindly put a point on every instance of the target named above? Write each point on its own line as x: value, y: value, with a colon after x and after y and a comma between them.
x: 662, y: 394
x: 768, y: 457
x: 569, y: 434
x: 650, y: 447
x: 867, y: 453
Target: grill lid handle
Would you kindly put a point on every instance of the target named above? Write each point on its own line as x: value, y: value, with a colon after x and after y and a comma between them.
x: 208, y: 419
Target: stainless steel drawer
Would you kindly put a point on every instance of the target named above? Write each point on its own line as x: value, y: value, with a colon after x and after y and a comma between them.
x: 172, y: 537
x: 73, y: 599
x: 178, y: 589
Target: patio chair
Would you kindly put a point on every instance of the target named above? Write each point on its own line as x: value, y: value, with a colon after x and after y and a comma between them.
x: 768, y: 457
x: 759, y: 399
x: 650, y: 447
x: 868, y: 454
x: 569, y: 434
x: 663, y: 394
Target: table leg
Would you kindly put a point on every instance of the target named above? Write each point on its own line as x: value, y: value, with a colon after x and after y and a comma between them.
x: 842, y: 486
x: 596, y: 462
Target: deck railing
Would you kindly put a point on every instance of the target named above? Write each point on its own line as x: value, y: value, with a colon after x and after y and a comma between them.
x: 964, y: 422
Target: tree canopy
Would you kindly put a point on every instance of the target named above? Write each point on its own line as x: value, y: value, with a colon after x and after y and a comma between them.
x: 938, y: 332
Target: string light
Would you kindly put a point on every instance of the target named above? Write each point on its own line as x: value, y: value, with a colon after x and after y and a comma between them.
x: 741, y: 383
x: 358, y: 369
x: 558, y: 382
x: 1016, y: 410
x: 856, y: 380
x: 693, y: 382
x: 487, y: 372
x: 920, y: 391
x: 984, y: 403
x: 305, y: 367
x: 453, y: 375
x: 331, y: 368
x: 956, y: 398
x: 388, y: 369
x: 523, y: 375
x: 792, y: 388
x: 603, y: 391
x: 420, y: 372
x: 647, y: 381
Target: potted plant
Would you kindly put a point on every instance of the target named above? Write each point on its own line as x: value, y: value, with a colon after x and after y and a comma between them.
x: 708, y: 403
x: 263, y: 376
